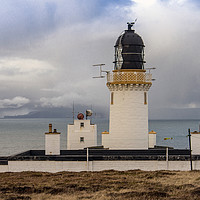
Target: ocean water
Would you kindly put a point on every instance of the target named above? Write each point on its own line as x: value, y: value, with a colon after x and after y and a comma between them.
x: 18, y: 135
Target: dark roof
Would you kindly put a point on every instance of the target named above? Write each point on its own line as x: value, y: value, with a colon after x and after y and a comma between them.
x: 129, y: 51
x: 102, y: 154
x: 129, y: 37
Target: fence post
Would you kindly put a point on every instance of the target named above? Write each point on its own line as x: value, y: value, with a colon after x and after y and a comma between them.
x: 189, y: 136
x: 167, y: 154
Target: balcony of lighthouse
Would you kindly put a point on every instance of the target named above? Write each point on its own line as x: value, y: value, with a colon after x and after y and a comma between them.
x: 129, y: 77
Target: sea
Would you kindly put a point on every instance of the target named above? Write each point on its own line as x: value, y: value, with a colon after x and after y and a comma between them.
x: 19, y: 135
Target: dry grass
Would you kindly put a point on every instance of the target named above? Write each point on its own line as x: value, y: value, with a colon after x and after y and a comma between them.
x: 107, y: 185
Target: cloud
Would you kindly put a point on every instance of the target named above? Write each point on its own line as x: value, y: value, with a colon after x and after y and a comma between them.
x: 25, y: 77
x: 171, y: 33
x: 47, y: 49
x: 25, y: 24
x: 53, y: 65
x: 16, y: 66
x: 16, y: 102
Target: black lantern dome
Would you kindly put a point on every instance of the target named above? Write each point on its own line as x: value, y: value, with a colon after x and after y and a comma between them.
x: 129, y: 50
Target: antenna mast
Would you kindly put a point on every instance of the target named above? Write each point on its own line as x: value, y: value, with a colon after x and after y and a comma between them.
x: 100, y: 71
x: 73, y: 111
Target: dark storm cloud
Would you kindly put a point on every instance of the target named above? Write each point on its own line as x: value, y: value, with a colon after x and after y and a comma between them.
x: 22, y: 21
x: 25, y: 22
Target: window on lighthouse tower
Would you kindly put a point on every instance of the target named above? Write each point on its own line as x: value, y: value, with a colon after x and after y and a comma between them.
x: 145, y: 98
x: 111, y: 98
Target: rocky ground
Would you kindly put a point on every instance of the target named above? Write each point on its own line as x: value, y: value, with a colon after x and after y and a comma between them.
x: 107, y: 185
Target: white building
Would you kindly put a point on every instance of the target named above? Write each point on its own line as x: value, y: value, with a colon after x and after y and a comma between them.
x: 128, y: 84
x: 195, y: 142
x: 152, y: 139
x: 81, y: 134
x: 52, y: 142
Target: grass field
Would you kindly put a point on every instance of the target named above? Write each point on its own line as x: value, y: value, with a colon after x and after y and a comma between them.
x: 134, y: 184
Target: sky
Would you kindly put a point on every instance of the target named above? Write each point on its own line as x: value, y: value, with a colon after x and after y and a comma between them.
x: 47, y: 49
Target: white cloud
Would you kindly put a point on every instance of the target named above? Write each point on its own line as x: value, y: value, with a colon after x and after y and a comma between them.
x: 88, y: 92
x: 18, y: 66
x: 25, y: 77
x: 145, y: 3
x: 16, y: 102
x: 170, y: 30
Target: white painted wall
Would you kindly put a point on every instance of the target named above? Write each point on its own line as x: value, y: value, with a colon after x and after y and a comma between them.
x: 75, y: 132
x: 105, y: 140
x: 128, y: 128
x: 77, y: 166
x: 152, y: 140
x: 195, y: 143
x: 52, y: 144
x: 4, y: 168
x: 47, y: 166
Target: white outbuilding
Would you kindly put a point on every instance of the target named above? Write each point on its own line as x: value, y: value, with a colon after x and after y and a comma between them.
x: 81, y: 134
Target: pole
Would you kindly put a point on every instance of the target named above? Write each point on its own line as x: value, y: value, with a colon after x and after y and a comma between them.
x: 73, y: 111
x: 167, y: 157
x: 87, y: 159
x: 189, y: 136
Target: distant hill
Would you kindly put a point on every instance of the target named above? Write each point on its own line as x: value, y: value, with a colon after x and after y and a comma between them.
x: 58, y: 113
x: 154, y: 113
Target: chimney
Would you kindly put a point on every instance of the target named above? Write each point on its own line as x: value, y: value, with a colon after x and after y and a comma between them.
x: 50, y: 128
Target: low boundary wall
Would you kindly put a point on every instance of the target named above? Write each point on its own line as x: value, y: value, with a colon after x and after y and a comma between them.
x: 98, y: 160
x: 77, y: 166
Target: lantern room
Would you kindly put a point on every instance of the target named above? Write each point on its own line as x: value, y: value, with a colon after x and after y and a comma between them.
x: 129, y: 50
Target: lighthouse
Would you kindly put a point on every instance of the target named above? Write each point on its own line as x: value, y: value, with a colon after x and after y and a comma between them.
x: 128, y: 84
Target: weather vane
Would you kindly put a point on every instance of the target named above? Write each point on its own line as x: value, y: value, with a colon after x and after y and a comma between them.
x: 130, y: 24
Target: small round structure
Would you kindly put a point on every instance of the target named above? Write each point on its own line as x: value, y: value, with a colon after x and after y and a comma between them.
x: 80, y: 116
x: 89, y: 112
x: 129, y: 50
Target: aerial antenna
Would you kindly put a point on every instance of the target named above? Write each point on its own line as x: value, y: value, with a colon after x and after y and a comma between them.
x: 100, y: 71
x: 150, y: 68
x: 73, y: 111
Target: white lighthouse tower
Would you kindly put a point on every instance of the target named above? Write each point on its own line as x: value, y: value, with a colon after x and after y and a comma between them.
x: 128, y: 84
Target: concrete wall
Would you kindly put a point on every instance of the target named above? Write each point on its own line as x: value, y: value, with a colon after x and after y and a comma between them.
x: 105, y: 140
x: 195, y: 142
x: 75, y: 132
x: 77, y: 166
x: 4, y: 168
x: 152, y: 140
x: 52, y: 144
x: 128, y: 128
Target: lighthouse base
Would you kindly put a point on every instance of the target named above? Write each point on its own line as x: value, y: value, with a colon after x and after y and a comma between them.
x: 128, y: 128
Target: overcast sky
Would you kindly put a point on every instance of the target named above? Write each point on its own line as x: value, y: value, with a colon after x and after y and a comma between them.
x: 48, y: 47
